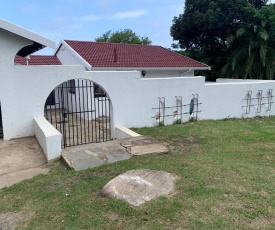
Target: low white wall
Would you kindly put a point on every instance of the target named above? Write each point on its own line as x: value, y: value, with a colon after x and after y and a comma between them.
x: 122, y: 132
x: 228, y: 100
x: 48, y: 137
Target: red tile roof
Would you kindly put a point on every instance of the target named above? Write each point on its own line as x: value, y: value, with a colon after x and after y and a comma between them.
x: 101, y: 54
x: 38, y: 60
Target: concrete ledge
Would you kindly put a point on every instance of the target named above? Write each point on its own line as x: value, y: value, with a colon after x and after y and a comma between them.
x: 122, y: 132
x: 48, y: 137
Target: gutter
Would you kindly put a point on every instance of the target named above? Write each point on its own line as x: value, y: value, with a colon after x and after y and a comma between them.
x: 187, y: 69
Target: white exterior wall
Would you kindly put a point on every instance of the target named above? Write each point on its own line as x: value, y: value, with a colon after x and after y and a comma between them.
x: 24, y: 90
x: 226, y: 100
x: 66, y: 57
x: 168, y: 73
x: 133, y: 98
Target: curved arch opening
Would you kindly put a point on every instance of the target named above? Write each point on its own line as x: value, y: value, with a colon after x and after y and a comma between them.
x: 81, y: 111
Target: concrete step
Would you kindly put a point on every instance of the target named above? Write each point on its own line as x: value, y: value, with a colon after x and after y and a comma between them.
x: 96, y: 154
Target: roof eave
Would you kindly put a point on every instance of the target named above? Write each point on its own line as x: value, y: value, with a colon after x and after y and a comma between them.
x: 151, y: 68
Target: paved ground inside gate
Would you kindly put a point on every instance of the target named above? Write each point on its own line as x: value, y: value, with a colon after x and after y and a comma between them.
x: 20, y: 159
x: 96, y: 154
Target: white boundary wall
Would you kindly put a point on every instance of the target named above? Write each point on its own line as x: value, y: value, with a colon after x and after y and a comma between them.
x: 24, y: 89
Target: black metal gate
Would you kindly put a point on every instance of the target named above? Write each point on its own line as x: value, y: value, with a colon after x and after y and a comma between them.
x: 1, y: 124
x: 80, y: 110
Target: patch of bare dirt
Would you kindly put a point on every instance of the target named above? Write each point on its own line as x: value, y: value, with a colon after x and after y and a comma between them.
x: 8, y: 221
x: 261, y: 223
x: 66, y: 183
x: 188, y: 145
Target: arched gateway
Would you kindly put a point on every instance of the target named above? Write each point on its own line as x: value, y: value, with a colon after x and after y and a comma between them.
x: 81, y: 111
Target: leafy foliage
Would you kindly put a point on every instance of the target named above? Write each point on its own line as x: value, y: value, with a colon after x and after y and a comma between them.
x: 123, y: 36
x: 253, y: 47
x: 205, y: 25
x: 203, y: 28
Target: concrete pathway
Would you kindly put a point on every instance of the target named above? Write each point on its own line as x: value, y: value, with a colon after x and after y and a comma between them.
x: 23, y: 158
x: 96, y: 154
x: 20, y: 159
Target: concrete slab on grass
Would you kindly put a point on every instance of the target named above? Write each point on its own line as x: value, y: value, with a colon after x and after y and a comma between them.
x: 96, y: 154
x: 143, y: 145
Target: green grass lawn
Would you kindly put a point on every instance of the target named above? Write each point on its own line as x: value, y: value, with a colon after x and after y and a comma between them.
x: 226, y: 180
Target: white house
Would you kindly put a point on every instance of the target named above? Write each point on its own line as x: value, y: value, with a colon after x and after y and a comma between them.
x: 87, y: 89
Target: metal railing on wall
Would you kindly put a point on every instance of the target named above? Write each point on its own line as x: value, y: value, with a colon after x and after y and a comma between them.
x: 258, y: 101
x: 176, y: 110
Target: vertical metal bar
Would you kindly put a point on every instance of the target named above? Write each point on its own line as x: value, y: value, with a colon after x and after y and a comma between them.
x: 99, y: 121
x: 159, y: 110
x: 80, y: 111
x: 106, y: 118
x: 261, y: 98
x: 96, y: 137
x: 249, y: 100
x: 177, y: 108
x: 72, y: 110
x: 84, y: 109
x: 92, y: 98
x: 163, y: 109
x: 63, y: 120
x: 55, y: 115
x: 269, y: 99
x: 60, y: 109
x: 67, y: 111
x: 109, y: 115
x: 88, y: 110
x: 271, y: 96
x: 51, y: 113
x: 197, y: 106
x: 76, y: 111
x: 102, y: 114
x: 181, y: 107
x: 259, y: 101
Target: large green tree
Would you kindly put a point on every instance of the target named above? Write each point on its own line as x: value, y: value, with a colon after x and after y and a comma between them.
x: 253, y: 47
x: 123, y: 36
x: 204, y: 26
